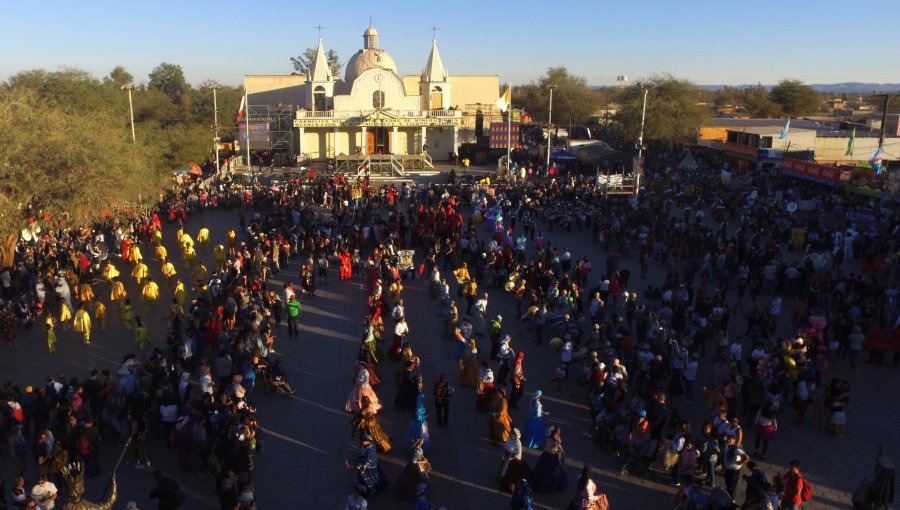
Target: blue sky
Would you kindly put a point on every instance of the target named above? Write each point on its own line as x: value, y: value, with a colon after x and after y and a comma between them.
x: 707, y: 42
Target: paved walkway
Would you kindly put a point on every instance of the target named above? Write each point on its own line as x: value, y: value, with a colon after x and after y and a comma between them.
x: 306, y: 438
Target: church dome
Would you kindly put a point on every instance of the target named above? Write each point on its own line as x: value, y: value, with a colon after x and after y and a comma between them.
x: 367, y: 59
x: 370, y: 31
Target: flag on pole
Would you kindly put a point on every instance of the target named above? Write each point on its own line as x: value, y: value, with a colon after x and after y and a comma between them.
x: 784, y: 132
x: 241, y: 108
x: 876, y: 160
x: 505, y: 99
x: 850, y: 143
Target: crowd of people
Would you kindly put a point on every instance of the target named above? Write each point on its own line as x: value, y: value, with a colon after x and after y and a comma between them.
x: 815, y: 288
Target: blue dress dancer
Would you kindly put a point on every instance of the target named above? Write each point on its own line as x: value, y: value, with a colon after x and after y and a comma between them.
x: 536, y: 427
x: 418, y: 427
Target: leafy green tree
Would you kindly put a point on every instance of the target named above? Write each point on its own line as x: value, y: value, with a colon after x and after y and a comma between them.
x: 68, y: 165
x: 795, y: 97
x: 71, y: 155
x: 301, y: 63
x: 758, y: 103
x: 673, y: 112
x: 573, y: 100
x: 119, y: 76
x: 169, y: 79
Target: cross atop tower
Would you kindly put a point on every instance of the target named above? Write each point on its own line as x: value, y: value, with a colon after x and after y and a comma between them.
x: 319, y: 28
x: 434, y: 30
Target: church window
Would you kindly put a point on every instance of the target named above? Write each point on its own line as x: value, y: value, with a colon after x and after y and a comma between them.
x: 378, y: 99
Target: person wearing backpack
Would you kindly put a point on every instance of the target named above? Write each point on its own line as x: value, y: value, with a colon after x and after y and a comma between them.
x: 797, y: 491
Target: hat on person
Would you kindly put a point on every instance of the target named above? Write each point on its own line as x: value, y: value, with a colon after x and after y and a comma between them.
x: 131, y: 506
x: 240, y: 391
x: 538, y: 393
x: 29, y: 389
x: 517, y: 433
x: 643, y: 413
x: 499, y: 318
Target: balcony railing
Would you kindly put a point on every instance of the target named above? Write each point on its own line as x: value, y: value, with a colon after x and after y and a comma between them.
x: 408, y: 114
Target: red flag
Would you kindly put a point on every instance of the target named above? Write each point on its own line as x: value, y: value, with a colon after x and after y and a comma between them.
x: 241, y: 108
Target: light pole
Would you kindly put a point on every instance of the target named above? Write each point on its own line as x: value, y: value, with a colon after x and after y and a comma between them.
x: 640, y: 148
x: 216, y: 125
x: 129, y: 87
x: 549, y: 122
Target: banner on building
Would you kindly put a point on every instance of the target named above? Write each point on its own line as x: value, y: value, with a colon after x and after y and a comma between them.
x: 811, y: 171
x: 501, y: 132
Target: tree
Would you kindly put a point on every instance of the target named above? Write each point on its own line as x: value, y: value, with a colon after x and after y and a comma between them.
x: 119, y: 76
x: 673, y: 112
x: 169, y: 79
x: 302, y: 62
x: 71, y: 155
x: 758, y: 103
x: 71, y: 167
x: 573, y: 100
x: 795, y: 97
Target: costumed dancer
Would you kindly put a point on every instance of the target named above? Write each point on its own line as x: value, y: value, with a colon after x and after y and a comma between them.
x: 513, y: 467
x: 418, y: 427
x: 536, y: 427
x: 361, y: 389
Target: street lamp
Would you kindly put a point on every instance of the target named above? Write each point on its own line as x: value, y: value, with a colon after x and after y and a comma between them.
x: 216, y: 125
x: 640, y: 148
x: 549, y: 122
x: 129, y: 87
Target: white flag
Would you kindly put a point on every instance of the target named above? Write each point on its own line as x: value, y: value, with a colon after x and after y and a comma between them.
x: 503, y: 102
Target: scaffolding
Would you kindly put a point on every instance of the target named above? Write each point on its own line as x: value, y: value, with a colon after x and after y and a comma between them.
x: 280, y: 137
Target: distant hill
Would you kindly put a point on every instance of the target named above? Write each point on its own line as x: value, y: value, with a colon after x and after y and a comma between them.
x: 838, y: 88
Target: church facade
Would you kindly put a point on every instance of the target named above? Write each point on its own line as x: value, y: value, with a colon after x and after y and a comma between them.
x: 374, y: 109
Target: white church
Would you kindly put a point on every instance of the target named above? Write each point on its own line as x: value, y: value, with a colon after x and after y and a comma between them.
x: 374, y: 110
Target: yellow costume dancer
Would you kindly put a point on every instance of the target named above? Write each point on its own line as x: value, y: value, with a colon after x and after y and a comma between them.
x: 150, y: 293
x: 110, y: 272
x: 127, y: 315
x: 85, y: 292
x: 180, y: 294
x: 232, y: 241
x: 65, y: 314
x: 175, y: 311
x: 203, y: 238
x: 100, y: 313
x: 135, y: 255
x: 219, y: 256
x: 51, y: 335
x: 179, y: 234
x: 117, y: 292
x: 200, y: 275
x: 83, y: 324
x: 141, y: 335
x: 140, y: 272
x: 189, y: 254
x: 186, y: 239
x: 162, y: 253
x: 168, y: 271
x: 157, y: 237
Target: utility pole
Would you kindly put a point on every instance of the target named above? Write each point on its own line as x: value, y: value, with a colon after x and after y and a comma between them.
x: 640, y: 148
x: 549, y: 123
x: 216, y: 125
x: 129, y: 87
